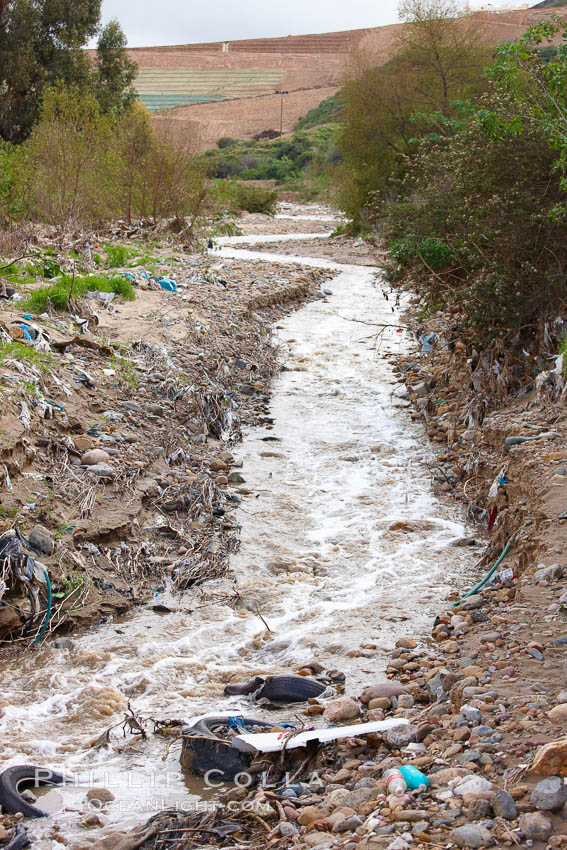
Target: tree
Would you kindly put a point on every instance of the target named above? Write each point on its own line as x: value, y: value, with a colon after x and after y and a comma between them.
x: 70, y: 155
x: 377, y: 130
x: 134, y: 141
x: 40, y: 46
x: 442, y: 42
x: 478, y: 226
x: 536, y: 81
x: 115, y: 73
x: 388, y: 109
x: 177, y: 186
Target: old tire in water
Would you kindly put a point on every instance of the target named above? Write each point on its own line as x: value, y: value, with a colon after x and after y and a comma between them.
x: 290, y: 689
x: 205, y: 752
x: 15, y: 779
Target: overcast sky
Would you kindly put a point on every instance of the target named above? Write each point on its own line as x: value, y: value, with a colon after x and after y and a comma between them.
x: 156, y: 22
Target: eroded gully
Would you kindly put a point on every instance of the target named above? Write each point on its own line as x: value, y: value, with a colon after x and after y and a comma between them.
x: 324, y: 560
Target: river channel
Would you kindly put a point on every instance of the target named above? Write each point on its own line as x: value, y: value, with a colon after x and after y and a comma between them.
x: 344, y: 549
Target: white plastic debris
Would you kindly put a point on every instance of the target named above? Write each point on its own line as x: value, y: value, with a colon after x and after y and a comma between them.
x: 273, y: 742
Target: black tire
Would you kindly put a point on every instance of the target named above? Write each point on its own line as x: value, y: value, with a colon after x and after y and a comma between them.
x: 14, y: 779
x: 204, y: 751
x: 290, y: 689
x: 207, y: 725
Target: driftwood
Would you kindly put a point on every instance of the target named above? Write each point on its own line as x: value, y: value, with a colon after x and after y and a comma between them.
x: 86, y: 343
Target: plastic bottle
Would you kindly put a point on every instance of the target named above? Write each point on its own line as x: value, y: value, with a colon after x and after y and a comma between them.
x: 414, y: 778
x: 395, y: 782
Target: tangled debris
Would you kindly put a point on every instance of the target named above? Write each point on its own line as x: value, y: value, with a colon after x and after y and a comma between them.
x: 117, y: 424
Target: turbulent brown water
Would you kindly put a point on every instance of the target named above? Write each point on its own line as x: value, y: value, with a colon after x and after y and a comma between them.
x: 319, y: 563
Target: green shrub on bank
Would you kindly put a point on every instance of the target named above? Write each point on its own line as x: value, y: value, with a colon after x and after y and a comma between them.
x: 478, y: 224
x: 82, y: 167
x: 255, y: 199
x: 306, y: 152
x: 57, y: 295
x: 328, y: 112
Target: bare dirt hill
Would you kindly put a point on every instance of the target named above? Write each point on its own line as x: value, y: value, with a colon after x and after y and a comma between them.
x: 229, y: 88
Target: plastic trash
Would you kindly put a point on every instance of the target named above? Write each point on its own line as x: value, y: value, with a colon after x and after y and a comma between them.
x: 427, y: 341
x: 414, y: 778
x: 130, y: 276
x: 168, y: 284
x: 395, y: 782
x: 104, y: 297
x: 271, y: 742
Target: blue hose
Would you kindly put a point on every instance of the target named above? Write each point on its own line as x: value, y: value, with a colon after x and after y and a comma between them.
x: 48, y: 612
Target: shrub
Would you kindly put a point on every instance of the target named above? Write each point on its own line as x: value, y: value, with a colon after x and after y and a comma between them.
x: 254, y: 199
x: 225, y: 142
x: 117, y: 255
x: 328, y: 111
x: 68, y: 177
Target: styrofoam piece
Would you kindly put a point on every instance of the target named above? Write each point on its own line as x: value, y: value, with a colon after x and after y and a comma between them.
x: 272, y: 742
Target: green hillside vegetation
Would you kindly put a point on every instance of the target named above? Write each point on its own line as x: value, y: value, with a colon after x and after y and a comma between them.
x: 305, y: 158
x: 328, y: 112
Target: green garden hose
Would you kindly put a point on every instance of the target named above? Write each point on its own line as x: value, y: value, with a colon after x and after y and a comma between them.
x: 481, y: 584
x: 48, y: 612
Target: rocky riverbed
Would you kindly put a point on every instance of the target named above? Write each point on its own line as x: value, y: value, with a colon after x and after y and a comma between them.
x: 481, y: 690
x: 484, y: 695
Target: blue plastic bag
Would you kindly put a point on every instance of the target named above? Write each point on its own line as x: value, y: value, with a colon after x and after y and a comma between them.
x: 168, y: 284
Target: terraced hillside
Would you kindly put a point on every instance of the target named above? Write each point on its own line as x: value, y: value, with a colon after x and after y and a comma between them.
x: 164, y: 88
x: 230, y: 88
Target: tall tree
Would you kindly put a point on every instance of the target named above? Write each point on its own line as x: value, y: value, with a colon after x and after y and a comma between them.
x: 40, y: 46
x: 388, y: 108
x: 115, y: 73
x: 443, y: 43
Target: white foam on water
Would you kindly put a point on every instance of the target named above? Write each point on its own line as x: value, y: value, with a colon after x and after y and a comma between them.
x: 318, y: 563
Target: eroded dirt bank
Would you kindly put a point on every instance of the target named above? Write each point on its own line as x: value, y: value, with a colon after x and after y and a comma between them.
x: 115, y: 444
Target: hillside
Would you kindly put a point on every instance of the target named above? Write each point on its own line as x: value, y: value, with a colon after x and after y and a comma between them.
x: 229, y: 88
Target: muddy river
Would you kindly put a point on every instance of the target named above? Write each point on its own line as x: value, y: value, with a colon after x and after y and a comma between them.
x: 344, y: 549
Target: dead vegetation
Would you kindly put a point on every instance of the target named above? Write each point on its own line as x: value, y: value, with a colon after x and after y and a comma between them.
x: 159, y: 389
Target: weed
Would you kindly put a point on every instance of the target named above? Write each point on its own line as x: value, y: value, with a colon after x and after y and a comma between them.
x: 563, y: 350
x: 30, y: 388
x: 118, y: 255
x: 125, y: 370
x: 19, y: 351
x: 70, y: 582
x: 143, y: 261
x: 38, y: 300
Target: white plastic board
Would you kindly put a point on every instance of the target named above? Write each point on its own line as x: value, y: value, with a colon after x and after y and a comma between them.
x: 273, y: 742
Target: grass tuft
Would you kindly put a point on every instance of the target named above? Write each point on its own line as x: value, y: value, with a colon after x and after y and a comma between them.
x: 118, y: 255
x: 38, y: 300
x: 26, y: 353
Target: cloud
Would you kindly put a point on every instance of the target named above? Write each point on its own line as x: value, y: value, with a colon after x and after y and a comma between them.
x: 181, y: 22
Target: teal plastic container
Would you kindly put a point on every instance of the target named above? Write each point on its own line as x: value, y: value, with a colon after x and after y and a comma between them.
x: 414, y: 778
